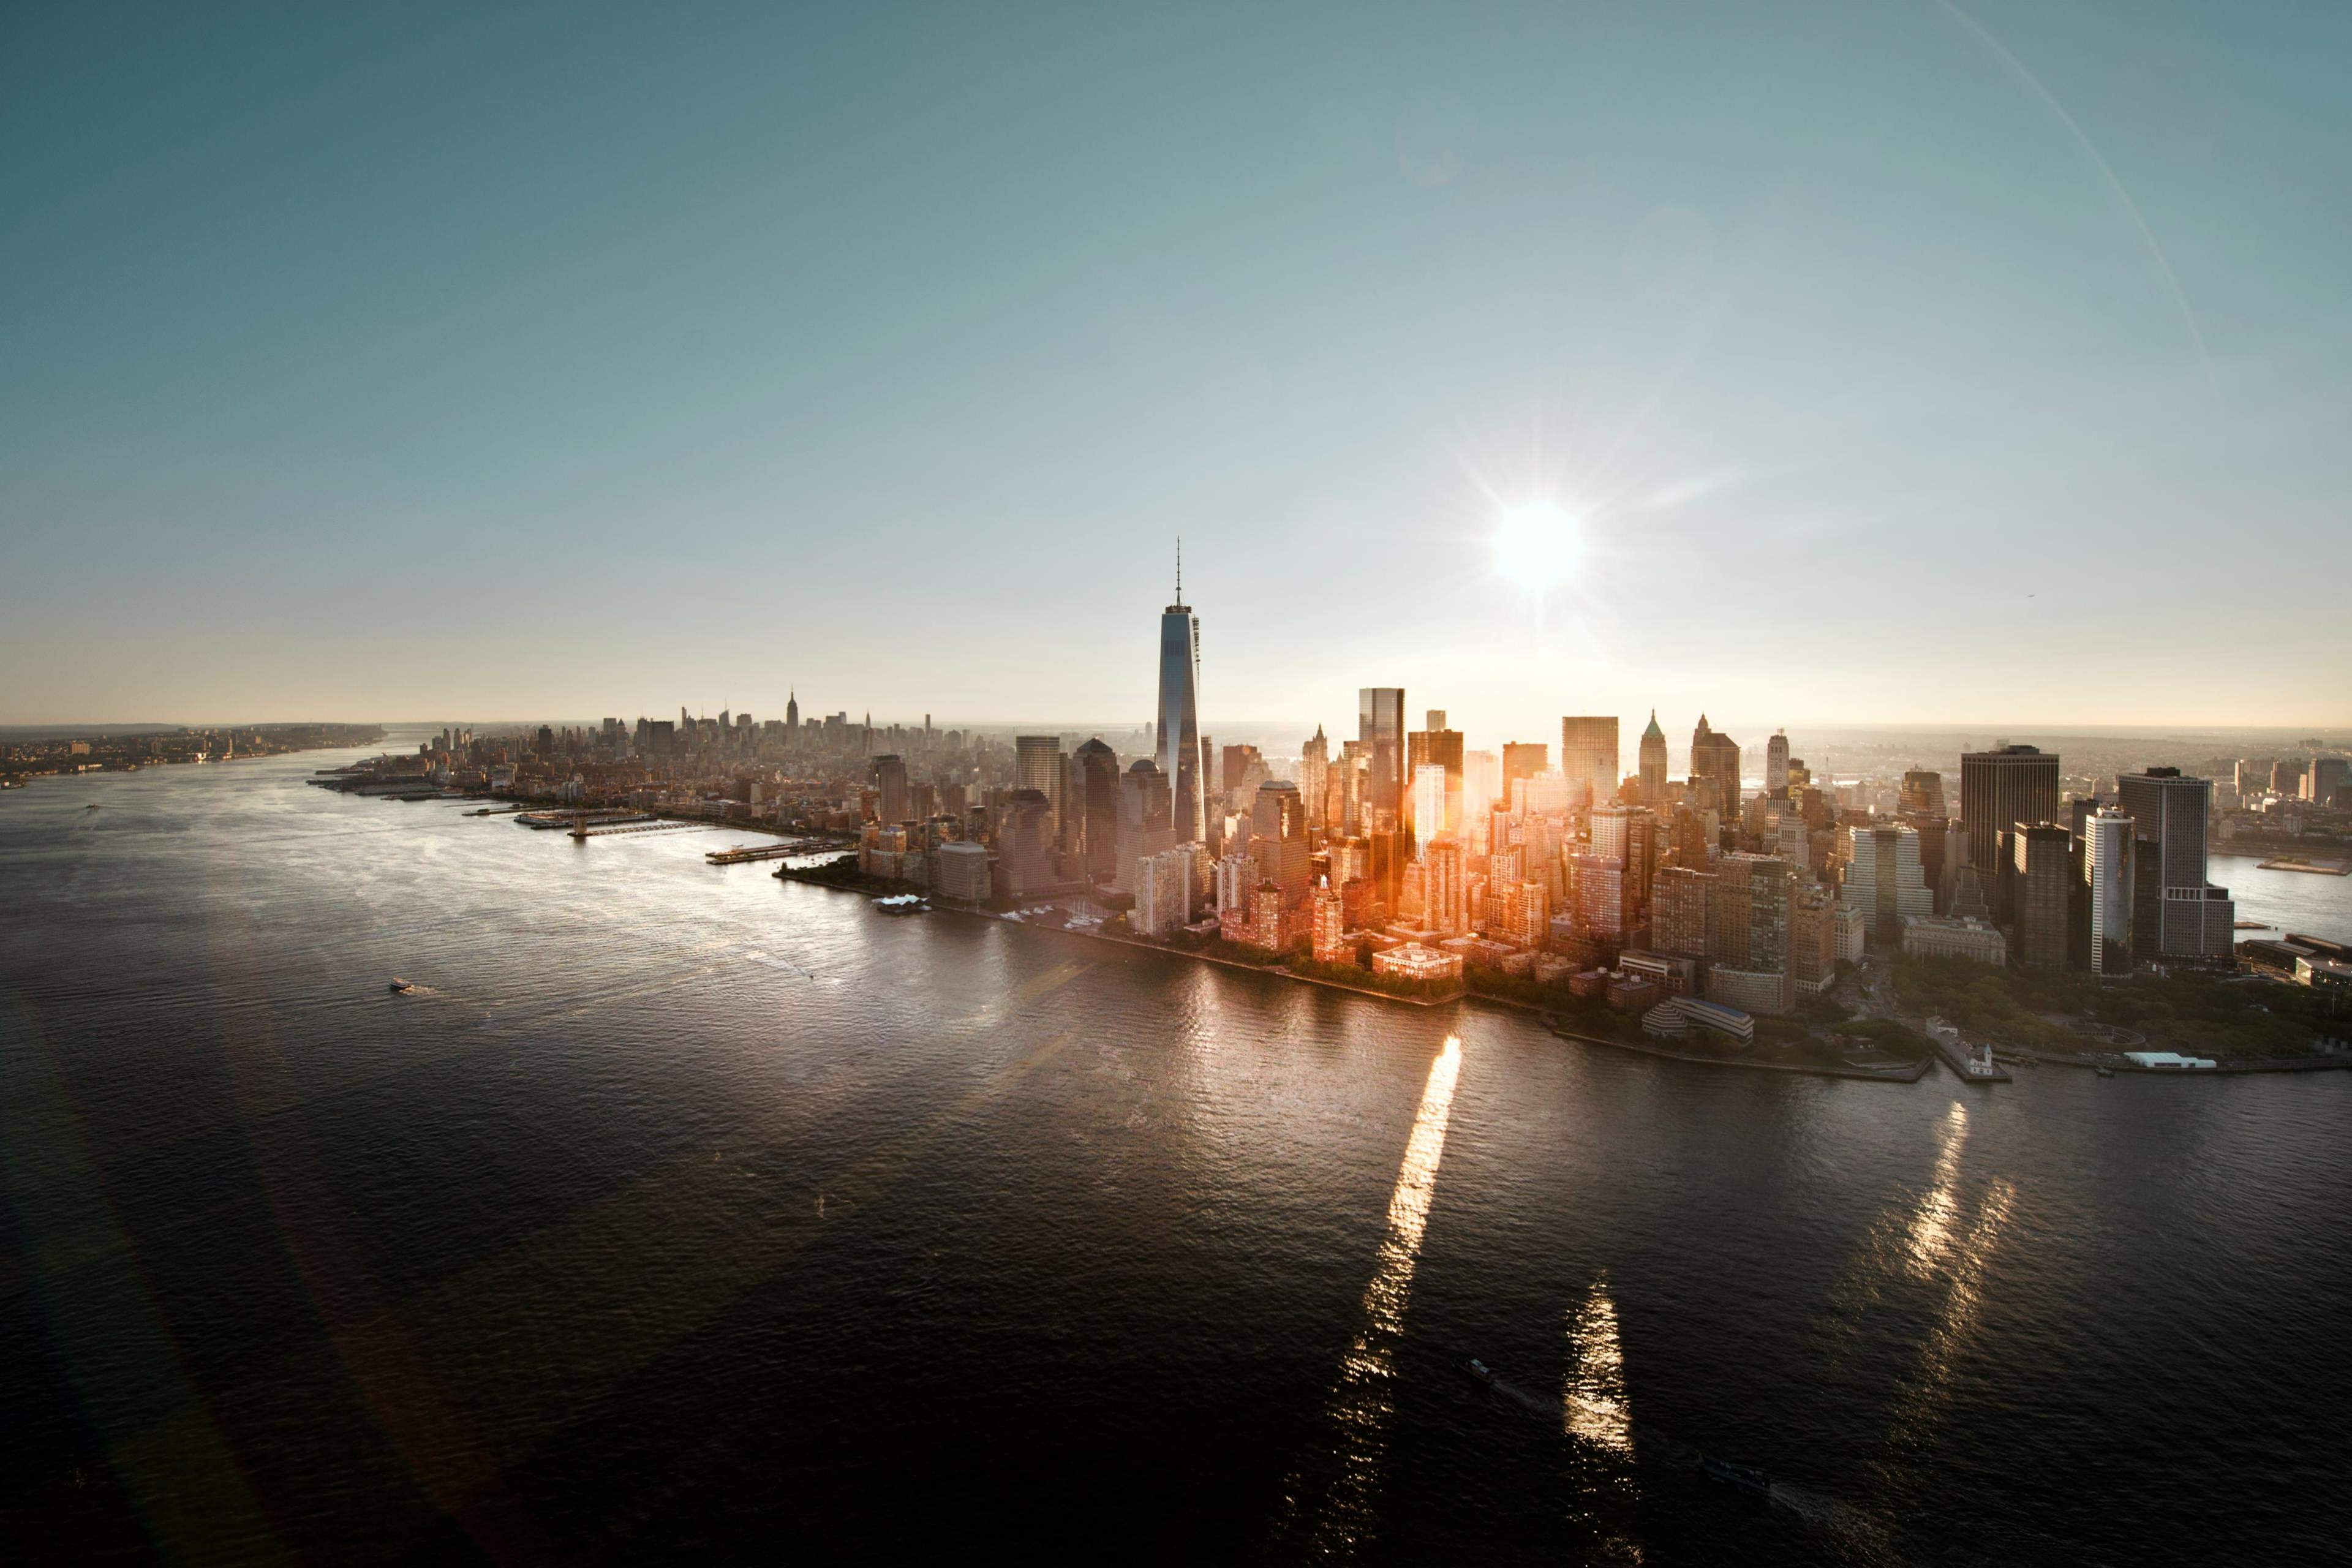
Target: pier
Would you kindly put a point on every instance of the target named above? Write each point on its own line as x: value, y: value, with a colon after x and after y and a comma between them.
x: 1965, y: 1064
x: 741, y: 853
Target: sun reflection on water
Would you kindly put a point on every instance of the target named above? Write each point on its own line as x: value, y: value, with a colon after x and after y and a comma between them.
x: 1360, y: 1403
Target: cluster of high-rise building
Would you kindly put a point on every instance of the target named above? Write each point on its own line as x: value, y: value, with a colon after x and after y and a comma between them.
x: 1404, y: 849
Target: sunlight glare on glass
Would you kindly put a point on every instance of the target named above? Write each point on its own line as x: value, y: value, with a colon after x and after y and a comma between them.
x: 1536, y: 545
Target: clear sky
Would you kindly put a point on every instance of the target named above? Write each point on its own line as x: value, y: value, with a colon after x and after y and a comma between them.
x: 1894, y: 362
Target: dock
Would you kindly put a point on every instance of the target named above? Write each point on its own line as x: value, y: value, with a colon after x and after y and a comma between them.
x: 742, y: 853
x: 1965, y: 1064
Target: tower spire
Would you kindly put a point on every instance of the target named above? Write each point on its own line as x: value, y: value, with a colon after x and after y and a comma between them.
x: 1180, y: 568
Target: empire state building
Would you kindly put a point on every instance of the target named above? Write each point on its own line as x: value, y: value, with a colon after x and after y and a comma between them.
x: 1180, y: 714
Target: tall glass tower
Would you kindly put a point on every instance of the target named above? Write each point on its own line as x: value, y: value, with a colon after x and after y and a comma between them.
x: 1180, y: 714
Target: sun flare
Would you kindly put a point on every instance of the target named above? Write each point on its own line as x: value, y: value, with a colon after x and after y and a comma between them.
x: 1536, y: 545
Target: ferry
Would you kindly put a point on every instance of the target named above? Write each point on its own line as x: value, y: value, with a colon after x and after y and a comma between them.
x: 1747, y: 1478
x: 402, y: 987
x: 903, y: 904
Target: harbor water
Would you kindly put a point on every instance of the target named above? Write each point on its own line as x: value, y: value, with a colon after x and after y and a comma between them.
x: 678, y: 1210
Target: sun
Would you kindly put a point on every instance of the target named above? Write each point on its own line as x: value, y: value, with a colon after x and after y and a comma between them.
x: 1536, y: 545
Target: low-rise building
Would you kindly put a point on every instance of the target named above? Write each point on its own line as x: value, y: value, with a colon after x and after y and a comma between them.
x: 1954, y: 936
x: 1411, y: 960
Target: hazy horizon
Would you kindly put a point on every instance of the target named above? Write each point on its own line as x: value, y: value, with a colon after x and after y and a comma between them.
x: 1916, y: 361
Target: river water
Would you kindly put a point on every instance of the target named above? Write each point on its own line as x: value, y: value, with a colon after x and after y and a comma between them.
x: 682, y: 1211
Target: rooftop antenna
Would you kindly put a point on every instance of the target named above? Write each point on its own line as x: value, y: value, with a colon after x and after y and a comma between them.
x: 1180, y: 568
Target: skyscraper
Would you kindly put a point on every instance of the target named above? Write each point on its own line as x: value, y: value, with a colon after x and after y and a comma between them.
x: 1715, y: 771
x: 1654, y: 764
x: 1278, y: 838
x: 1429, y: 803
x: 1143, y: 816
x: 1380, y: 726
x: 1776, y: 763
x: 1523, y: 760
x: 1441, y: 886
x: 1747, y: 933
x: 2000, y: 790
x: 2107, y: 870
x: 1884, y: 881
x: 2043, y: 873
x: 2193, y: 918
x: 1037, y: 764
x: 1314, y: 775
x: 1178, y: 727
x: 1097, y: 809
x: 1439, y: 747
x: 889, y: 774
x: 1588, y: 755
x: 1923, y: 791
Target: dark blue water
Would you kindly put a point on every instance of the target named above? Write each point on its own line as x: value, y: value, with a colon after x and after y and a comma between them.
x: 683, y: 1212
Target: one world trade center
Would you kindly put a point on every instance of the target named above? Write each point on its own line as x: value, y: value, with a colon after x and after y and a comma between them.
x: 1180, y: 715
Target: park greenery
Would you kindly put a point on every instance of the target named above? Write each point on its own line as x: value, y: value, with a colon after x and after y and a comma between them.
x: 2195, y: 1011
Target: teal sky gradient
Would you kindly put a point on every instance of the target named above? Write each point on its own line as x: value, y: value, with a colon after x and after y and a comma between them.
x: 1901, y: 363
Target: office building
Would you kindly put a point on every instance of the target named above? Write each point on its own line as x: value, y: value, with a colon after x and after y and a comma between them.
x: 1654, y: 764
x: 1428, y: 801
x: 1314, y: 778
x: 1587, y: 756
x: 889, y: 775
x: 1094, y: 806
x: 1523, y: 760
x: 1380, y: 727
x: 2327, y: 776
x: 2286, y: 775
x: 1715, y: 771
x: 1482, y: 782
x: 1776, y: 764
x: 1884, y: 881
x: 2042, y: 866
x: 2191, y: 917
x: 2000, y: 789
x: 1025, y: 856
x: 960, y: 871
x: 1143, y: 818
x: 1037, y: 764
x: 2107, y: 866
x: 1278, y: 838
x: 1178, y: 741
x: 1923, y: 792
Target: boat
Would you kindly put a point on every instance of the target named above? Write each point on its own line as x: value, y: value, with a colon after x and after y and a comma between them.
x: 1747, y: 1478
x: 91, y: 807
x: 2106, y: 1072
x: 402, y: 987
x: 1482, y: 1371
x: 903, y: 904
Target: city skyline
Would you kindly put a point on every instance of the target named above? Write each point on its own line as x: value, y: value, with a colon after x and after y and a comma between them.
x: 842, y: 341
